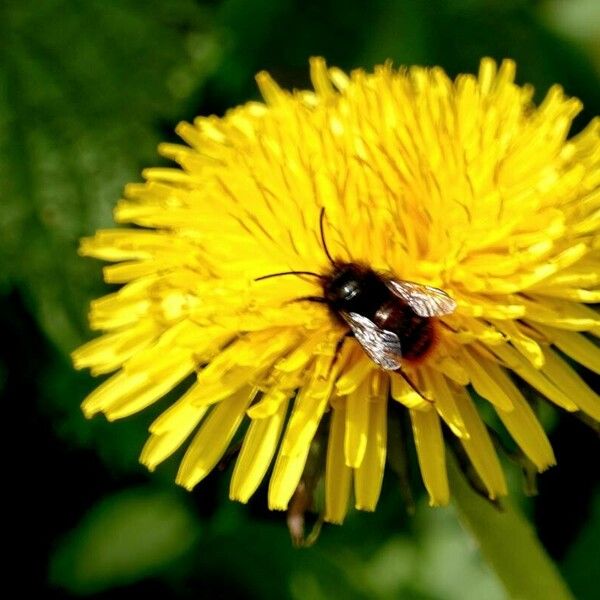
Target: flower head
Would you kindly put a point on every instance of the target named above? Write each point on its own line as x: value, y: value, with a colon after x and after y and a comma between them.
x: 463, y: 185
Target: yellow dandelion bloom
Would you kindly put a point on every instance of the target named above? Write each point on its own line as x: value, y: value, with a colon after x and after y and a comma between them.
x: 462, y: 185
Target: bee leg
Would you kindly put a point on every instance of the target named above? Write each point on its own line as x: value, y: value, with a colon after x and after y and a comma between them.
x: 448, y: 327
x: 318, y: 299
x: 411, y: 384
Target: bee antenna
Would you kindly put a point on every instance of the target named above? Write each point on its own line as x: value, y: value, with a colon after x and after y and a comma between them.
x: 322, y: 229
x: 289, y: 273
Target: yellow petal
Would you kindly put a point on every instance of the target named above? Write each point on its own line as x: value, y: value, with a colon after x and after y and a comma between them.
x: 179, y: 414
x: 527, y: 346
x: 479, y: 447
x: 212, y: 439
x: 359, y: 366
x: 125, y: 394
x: 269, y: 89
x: 491, y: 308
x: 568, y: 381
x: 110, y: 351
x: 260, y: 443
x: 583, y: 274
x: 320, y: 78
x: 111, y: 390
x: 404, y: 394
x: 482, y: 373
x: 452, y: 369
x: 357, y: 424
x: 309, y: 407
x: 553, y: 265
x: 301, y: 355
x: 575, y: 345
x: 563, y: 314
x: 311, y: 402
x: 444, y: 402
x: 131, y: 270
x: 286, y: 477
x: 160, y: 446
x: 270, y: 402
x: 470, y: 329
x: 522, y: 367
x: 369, y: 476
x: 523, y: 425
x: 161, y: 384
x: 338, y: 476
x: 431, y: 454
x: 575, y: 294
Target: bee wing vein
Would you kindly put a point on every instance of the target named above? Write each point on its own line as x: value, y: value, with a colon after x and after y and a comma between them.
x: 382, y: 346
x: 425, y: 300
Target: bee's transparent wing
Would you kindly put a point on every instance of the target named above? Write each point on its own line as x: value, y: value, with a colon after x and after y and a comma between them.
x: 425, y: 300
x: 382, y: 346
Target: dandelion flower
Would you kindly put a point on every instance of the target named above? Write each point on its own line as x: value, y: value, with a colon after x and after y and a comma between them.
x: 464, y: 185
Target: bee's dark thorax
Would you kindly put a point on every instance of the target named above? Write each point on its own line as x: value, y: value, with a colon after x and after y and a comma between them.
x: 354, y: 288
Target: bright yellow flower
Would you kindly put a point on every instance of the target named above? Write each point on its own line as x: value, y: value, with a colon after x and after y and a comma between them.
x: 464, y: 185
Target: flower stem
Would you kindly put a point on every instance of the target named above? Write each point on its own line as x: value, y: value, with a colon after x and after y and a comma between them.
x: 508, y: 543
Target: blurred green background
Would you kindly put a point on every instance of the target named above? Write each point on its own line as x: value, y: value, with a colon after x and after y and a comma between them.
x: 87, y: 90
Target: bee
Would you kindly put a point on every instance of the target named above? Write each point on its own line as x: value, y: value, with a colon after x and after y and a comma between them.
x: 393, y: 320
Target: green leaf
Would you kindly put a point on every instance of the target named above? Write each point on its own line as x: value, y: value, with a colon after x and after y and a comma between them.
x: 80, y: 109
x: 123, y: 539
x: 508, y: 542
